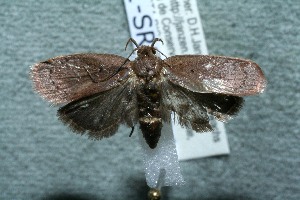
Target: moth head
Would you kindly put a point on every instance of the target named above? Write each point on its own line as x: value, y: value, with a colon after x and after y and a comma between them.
x: 145, y: 51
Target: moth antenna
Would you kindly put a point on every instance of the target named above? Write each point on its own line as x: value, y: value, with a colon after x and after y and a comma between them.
x: 161, y: 53
x: 120, y: 68
x: 131, y: 54
x: 156, y: 40
x: 133, y: 41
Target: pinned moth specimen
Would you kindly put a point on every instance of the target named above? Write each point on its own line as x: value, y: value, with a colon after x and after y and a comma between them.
x: 102, y: 91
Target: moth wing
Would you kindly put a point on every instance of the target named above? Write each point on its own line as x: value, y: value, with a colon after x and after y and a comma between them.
x: 222, y: 107
x: 67, y: 78
x: 190, y: 114
x: 101, y: 114
x: 193, y: 109
x: 215, y: 74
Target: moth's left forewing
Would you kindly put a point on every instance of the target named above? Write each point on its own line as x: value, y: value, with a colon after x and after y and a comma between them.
x: 67, y: 78
x: 215, y: 74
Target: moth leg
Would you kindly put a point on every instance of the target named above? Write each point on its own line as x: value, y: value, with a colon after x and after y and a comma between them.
x: 132, y: 129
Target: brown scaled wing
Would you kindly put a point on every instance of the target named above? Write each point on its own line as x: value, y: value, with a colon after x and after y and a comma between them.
x: 201, y: 85
x: 216, y: 74
x: 96, y: 88
x: 67, y: 78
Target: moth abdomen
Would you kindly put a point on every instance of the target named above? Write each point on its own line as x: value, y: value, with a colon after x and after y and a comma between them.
x: 151, y: 129
x: 148, y: 98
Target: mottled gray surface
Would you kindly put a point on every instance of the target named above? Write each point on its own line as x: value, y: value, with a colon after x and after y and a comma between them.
x: 41, y: 159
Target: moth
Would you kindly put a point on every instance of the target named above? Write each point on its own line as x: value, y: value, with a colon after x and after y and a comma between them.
x: 102, y: 91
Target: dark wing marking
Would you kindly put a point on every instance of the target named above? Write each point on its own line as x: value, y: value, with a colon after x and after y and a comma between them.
x: 67, y: 78
x: 101, y: 114
x: 193, y: 108
x: 221, y: 106
x: 215, y: 74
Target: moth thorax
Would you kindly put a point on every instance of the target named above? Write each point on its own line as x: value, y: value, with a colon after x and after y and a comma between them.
x: 147, y: 67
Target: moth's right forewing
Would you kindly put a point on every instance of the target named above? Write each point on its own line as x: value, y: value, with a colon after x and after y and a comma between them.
x: 67, y: 78
x: 215, y: 74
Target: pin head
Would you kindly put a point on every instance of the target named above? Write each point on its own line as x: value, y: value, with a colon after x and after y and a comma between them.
x: 154, y: 194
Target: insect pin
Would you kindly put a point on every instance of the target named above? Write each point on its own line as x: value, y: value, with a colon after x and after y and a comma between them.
x: 102, y: 91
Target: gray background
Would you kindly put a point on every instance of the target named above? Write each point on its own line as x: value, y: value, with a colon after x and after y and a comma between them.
x: 41, y: 159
